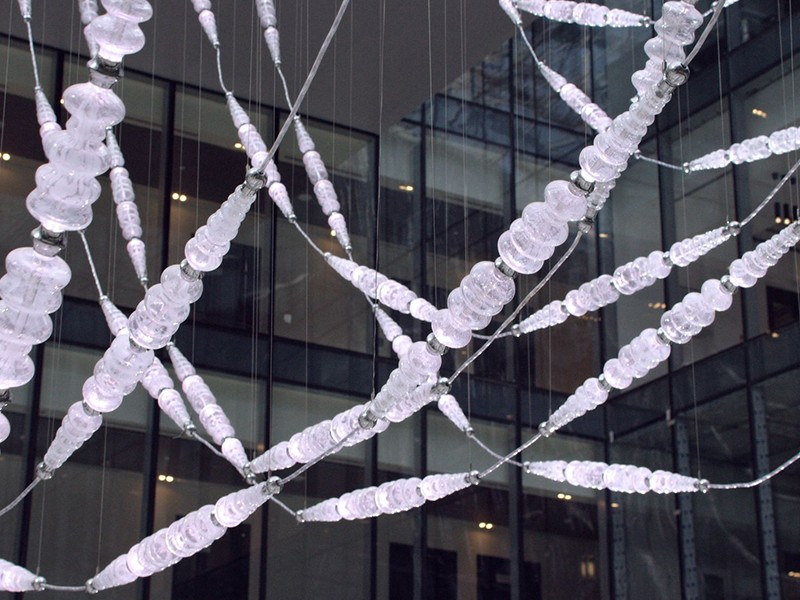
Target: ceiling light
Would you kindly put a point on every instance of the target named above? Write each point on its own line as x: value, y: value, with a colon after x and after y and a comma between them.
x: 5, y: 156
x: 489, y: 526
x: 603, y: 236
x: 794, y: 574
x: 775, y: 334
x: 333, y: 233
x: 166, y: 478
x: 182, y: 197
x: 482, y: 525
x: 759, y: 113
x: 238, y: 146
x: 615, y: 505
x: 405, y: 187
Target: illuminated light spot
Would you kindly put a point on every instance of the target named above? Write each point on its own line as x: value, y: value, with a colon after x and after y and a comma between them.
x: 405, y: 187
x: 182, y: 198
x: 615, y: 505
x: 482, y: 525
x: 238, y: 146
x: 489, y: 525
x: 6, y: 156
x: 169, y: 479
x: 759, y: 113
x: 162, y: 477
x: 175, y: 195
x: 603, y: 236
x: 333, y: 233
x: 775, y: 334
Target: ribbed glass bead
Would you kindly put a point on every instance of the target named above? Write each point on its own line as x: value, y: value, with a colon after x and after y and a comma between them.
x: 586, y: 474
x: 117, y: 33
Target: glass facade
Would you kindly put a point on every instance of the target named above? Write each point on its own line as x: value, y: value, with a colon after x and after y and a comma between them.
x: 423, y: 202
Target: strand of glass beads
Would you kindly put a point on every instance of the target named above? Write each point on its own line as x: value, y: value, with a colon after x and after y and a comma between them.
x: 524, y: 248
x: 158, y: 383
x: 627, y: 279
x: 378, y: 286
x: 582, y: 13
x: 66, y: 187
x: 315, y: 440
x: 211, y: 415
x: 14, y: 578
x: 315, y: 168
x: 678, y: 325
x: 604, y: 160
x: 253, y: 143
x: 127, y: 212
x: 531, y: 239
x: 450, y: 408
x: 391, y: 497
x: 155, y: 320
x: 628, y: 479
x: 591, y: 114
x: 184, y: 538
x: 749, y: 150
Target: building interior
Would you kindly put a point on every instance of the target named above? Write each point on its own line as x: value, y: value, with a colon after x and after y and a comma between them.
x: 437, y: 130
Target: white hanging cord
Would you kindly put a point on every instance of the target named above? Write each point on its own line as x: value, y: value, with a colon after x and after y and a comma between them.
x: 706, y: 32
x: 92, y: 266
x: 10, y: 506
x: 756, y: 482
x: 193, y: 433
x: 772, y: 194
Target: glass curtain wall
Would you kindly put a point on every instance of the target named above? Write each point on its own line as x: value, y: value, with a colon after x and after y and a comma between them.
x: 424, y: 203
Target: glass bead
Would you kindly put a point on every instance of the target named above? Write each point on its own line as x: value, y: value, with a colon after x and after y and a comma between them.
x: 451, y: 334
x: 678, y: 22
x: 547, y: 228
x: 741, y: 275
x: 596, y: 166
x: 565, y: 200
x: 585, y: 474
x: 326, y: 196
x: 514, y: 257
x: 617, y: 374
x: 699, y: 310
x: 117, y: 33
x: 551, y: 469
x: 5, y: 428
